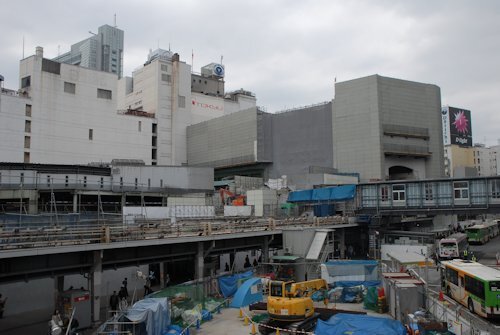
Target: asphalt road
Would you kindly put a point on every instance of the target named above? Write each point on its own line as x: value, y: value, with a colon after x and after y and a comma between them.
x: 486, y: 253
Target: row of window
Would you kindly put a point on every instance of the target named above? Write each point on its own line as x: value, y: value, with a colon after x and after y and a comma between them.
x: 460, y: 191
x: 101, y: 93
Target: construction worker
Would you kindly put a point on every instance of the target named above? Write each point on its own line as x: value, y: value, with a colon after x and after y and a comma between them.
x: 466, y: 254
x: 473, y: 258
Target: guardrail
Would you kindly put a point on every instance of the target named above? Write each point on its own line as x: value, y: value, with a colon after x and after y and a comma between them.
x: 112, y: 231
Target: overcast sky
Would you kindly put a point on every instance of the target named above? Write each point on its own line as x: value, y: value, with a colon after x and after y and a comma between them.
x: 288, y: 52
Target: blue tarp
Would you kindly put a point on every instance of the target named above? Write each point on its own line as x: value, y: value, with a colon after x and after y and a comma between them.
x: 367, y: 283
x: 153, y: 313
x: 338, y: 193
x: 248, y: 293
x: 355, y: 324
x: 229, y: 284
x: 298, y: 196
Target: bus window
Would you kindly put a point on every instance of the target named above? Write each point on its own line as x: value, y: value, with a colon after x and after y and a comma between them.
x: 494, y: 286
x: 474, y: 286
x: 452, y: 276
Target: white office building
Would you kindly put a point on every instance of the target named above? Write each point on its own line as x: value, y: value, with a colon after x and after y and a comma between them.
x: 69, y: 114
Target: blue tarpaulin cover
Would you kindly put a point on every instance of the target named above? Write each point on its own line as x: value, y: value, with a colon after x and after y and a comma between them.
x: 153, y: 312
x: 355, y: 324
x: 338, y: 193
x: 229, y: 284
x: 248, y: 293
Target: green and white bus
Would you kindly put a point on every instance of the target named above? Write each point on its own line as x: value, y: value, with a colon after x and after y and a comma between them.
x: 482, y: 233
x: 473, y: 285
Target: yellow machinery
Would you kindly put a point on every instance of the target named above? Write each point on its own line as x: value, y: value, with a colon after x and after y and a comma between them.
x: 289, y: 304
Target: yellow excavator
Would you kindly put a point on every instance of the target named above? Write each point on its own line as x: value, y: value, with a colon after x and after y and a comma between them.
x: 290, y: 305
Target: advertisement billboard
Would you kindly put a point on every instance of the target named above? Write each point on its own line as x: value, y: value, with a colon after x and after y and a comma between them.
x: 460, y: 126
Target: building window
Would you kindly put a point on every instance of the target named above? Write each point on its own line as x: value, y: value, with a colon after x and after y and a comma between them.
x: 69, y: 87
x: 139, y: 126
x: 91, y: 134
x: 495, y: 188
x: 27, y: 142
x: 461, y: 189
x: 104, y: 94
x: 428, y: 191
x: 121, y: 182
x: 149, y: 182
x: 398, y: 192
x: 21, y: 177
x: 26, y: 82
x: 384, y: 193
x: 164, y: 67
x: 182, y: 101
x: 66, y: 181
x: 154, y: 128
x: 85, y: 181
x: 48, y: 181
x: 26, y: 157
x: 28, y: 110
x: 102, y: 182
x: 27, y: 126
x: 166, y: 77
x: 153, y: 141
x: 136, y: 183
x: 153, y: 154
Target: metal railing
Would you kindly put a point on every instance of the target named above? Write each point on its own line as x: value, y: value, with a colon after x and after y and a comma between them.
x: 112, y: 231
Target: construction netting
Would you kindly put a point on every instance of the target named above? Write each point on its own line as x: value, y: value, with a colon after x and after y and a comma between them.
x: 190, y: 303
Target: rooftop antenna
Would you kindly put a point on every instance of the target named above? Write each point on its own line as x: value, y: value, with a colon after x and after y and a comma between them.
x: 115, y: 20
x: 168, y: 46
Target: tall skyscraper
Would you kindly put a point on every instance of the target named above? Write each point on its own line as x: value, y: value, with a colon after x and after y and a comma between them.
x: 102, y: 51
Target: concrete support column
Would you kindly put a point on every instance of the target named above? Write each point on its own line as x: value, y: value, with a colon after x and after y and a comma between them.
x: 199, y: 262
x: 162, y: 274
x: 265, y: 251
x: 75, y: 202
x: 342, y: 246
x: 33, y: 203
x: 95, y: 285
x: 124, y: 200
x: 58, y: 288
x: 164, y: 201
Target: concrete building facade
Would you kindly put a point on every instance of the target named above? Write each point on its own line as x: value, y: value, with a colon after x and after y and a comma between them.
x: 385, y: 128
x: 102, y: 51
x: 74, y: 119
x: 15, y: 126
x: 69, y: 114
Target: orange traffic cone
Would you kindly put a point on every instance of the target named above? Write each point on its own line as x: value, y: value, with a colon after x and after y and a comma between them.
x: 441, y: 297
x: 277, y: 331
x: 245, y: 321
x: 254, y: 331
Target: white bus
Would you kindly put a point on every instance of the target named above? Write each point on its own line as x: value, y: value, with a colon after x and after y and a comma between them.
x: 452, y: 246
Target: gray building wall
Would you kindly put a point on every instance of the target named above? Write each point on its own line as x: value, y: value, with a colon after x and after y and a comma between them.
x: 301, y: 140
x: 374, y: 117
x: 225, y: 141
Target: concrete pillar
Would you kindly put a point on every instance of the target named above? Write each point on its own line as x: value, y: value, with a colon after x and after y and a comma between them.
x: 124, y: 200
x: 95, y: 285
x: 75, y: 202
x: 199, y: 262
x: 33, y: 203
x: 342, y: 246
x: 164, y: 201
x: 58, y: 288
x: 162, y: 274
x: 265, y: 251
